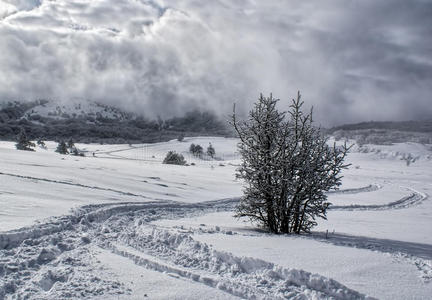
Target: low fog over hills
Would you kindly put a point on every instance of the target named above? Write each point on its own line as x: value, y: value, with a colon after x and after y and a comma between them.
x: 354, y: 61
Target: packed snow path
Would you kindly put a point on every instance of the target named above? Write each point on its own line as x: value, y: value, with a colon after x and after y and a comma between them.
x: 51, y: 257
x: 412, y: 199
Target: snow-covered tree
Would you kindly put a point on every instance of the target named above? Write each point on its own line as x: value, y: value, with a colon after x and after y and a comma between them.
x: 211, y: 150
x: 62, y: 148
x: 287, y: 167
x: 23, y: 142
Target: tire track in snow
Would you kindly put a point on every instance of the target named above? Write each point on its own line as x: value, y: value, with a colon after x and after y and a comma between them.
x: 110, y: 154
x: 152, y: 210
x: 75, y: 184
x: 248, y: 278
x: 260, y: 283
x: 414, y: 198
x: 369, y: 188
x: 178, y: 254
x: 417, y: 254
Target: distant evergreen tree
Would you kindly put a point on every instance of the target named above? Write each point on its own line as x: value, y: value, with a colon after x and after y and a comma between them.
x: 174, y: 158
x: 211, y: 151
x: 23, y: 142
x: 62, y: 148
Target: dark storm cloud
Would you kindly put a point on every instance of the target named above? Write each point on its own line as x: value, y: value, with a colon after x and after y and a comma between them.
x: 352, y: 60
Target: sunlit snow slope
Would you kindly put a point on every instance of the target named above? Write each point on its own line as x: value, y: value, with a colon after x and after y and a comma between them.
x: 140, y: 227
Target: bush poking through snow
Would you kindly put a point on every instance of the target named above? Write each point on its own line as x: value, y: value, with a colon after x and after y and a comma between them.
x: 173, y: 158
x: 23, y: 142
x: 287, y: 166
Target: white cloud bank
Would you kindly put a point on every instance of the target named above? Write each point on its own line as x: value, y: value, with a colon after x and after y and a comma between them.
x: 353, y: 60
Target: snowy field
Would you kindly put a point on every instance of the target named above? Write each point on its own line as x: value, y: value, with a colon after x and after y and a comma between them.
x: 118, y: 224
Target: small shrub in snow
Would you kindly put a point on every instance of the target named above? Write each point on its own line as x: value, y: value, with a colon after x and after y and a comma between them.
x: 23, y: 142
x: 174, y: 158
x: 181, y: 137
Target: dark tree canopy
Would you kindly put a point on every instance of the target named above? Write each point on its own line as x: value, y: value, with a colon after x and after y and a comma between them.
x: 287, y: 167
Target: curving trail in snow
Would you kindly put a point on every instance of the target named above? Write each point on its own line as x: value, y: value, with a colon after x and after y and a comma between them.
x: 414, y: 198
x: 368, y: 188
x: 417, y: 254
x: 248, y: 278
x: 73, y: 184
x: 63, y: 244
x: 51, y: 257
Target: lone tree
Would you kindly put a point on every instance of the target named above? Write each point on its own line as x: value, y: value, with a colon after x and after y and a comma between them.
x: 23, y: 142
x: 211, y: 151
x: 287, y: 167
x: 62, y: 148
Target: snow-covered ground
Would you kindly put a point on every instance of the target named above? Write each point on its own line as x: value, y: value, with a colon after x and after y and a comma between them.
x: 118, y: 224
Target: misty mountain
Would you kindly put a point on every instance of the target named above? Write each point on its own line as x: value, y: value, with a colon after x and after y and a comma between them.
x: 94, y: 122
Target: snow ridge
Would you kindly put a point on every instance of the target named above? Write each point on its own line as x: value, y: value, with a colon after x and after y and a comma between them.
x: 244, y: 277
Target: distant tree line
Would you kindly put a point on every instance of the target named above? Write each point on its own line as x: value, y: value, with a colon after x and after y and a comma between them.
x: 23, y: 142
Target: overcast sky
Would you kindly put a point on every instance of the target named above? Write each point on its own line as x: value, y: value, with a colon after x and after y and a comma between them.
x: 352, y: 60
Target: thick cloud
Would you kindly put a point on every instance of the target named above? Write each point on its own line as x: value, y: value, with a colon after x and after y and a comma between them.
x: 352, y: 60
